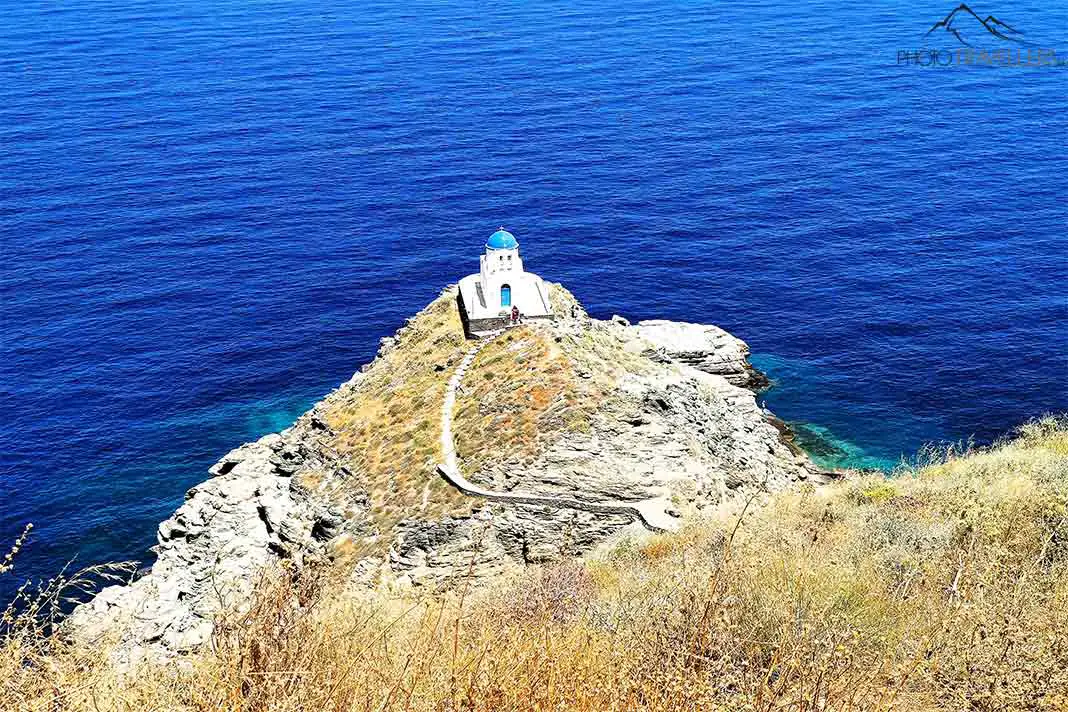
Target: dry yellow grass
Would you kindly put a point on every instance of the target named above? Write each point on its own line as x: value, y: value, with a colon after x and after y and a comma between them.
x: 520, y: 391
x: 530, y: 385
x: 943, y: 588
x: 389, y: 430
x: 524, y: 389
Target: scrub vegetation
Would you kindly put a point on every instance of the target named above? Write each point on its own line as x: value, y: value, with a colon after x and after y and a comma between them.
x: 389, y: 429
x: 531, y: 385
x: 525, y: 388
x: 944, y: 587
x: 519, y: 391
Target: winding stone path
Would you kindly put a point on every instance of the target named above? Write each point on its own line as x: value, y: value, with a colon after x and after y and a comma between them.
x: 652, y: 513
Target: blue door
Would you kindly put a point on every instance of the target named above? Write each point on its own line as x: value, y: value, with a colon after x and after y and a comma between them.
x: 506, y: 295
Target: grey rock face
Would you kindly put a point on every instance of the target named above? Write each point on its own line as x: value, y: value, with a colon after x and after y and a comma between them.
x: 674, y: 430
x: 496, y: 539
x: 250, y: 515
x: 706, y: 348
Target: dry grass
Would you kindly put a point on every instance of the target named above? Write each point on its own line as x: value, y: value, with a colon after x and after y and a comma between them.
x: 389, y: 430
x: 533, y: 384
x: 37, y: 668
x: 520, y: 391
x: 523, y: 390
x: 941, y: 588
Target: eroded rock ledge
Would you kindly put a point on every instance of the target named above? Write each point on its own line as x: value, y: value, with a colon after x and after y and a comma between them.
x: 252, y: 513
x: 679, y: 423
x: 705, y: 347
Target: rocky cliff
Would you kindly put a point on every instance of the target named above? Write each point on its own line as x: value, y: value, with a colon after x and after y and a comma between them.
x: 574, y: 413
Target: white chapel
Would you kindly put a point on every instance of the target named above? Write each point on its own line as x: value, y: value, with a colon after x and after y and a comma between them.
x: 488, y: 299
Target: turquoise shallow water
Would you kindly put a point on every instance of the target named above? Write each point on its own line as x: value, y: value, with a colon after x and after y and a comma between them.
x: 211, y: 212
x: 806, y: 393
x: 797, y: 382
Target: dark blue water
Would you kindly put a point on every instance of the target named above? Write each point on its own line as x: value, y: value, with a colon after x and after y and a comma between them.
x: 210, y: 212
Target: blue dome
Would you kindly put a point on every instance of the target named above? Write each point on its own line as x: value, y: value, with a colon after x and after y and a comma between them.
x: 502, y: 240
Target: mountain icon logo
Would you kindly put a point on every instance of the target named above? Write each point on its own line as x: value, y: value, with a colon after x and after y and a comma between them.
x: 967, y: 27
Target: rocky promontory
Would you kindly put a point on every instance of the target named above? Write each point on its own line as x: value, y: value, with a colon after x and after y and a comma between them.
x: 572, y: 414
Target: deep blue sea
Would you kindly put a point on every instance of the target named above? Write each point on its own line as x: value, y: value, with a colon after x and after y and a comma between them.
x: 211, y: 211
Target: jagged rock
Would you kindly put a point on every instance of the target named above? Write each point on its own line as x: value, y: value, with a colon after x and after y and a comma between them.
x: 496, y: 540
x: 706, y: 348
x: 684, y: 434
x: 210, y: 552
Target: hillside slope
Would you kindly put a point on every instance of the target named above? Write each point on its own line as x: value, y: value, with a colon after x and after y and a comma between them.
x: 577, y: 412
x: 944, y: 587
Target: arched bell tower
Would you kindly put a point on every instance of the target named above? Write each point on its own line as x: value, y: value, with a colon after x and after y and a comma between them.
x: 501, y: 269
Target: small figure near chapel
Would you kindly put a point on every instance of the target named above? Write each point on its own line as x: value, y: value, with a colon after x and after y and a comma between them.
x: 515, y: 315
